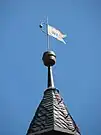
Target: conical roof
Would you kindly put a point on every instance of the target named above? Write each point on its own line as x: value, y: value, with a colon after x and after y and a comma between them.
x: 52, y: 115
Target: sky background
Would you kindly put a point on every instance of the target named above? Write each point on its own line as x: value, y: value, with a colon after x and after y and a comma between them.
x: 77, y: 73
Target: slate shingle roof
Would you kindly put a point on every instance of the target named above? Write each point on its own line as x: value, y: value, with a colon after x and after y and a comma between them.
x: 52, y: 115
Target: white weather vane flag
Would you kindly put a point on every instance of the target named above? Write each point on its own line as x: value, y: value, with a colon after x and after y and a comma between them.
x: 56, y: 34
x: 51, y: 31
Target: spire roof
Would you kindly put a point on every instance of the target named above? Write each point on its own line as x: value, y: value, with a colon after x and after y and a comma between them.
x: 52, y: 115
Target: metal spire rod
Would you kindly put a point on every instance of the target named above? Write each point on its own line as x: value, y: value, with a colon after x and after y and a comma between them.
x: 45, y: 31
x: 50, y: 78
x: 47, y: 35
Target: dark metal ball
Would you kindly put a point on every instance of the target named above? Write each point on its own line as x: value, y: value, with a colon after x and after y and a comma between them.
x: 40, y: 26
x: 49, y: 58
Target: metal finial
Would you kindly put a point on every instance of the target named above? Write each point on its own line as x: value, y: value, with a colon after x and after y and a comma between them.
x: 49, y: 59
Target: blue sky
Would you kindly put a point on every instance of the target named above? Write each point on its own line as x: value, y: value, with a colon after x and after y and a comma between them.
x: 77, y: 73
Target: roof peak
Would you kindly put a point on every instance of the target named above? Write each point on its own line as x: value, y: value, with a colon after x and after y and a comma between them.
x: 52, y: 115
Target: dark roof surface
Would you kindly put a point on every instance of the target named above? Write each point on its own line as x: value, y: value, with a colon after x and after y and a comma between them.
x: 52, y: 115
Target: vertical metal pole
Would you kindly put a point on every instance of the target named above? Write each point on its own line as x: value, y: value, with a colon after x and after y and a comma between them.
x: 47, y: 34
x: 50, y: 78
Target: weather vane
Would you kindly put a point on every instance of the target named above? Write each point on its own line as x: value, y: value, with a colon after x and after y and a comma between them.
x: 51, y: 31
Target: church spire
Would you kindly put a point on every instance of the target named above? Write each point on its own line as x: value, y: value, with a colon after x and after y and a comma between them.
x: 52, y: 116
x: 49, y: 59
